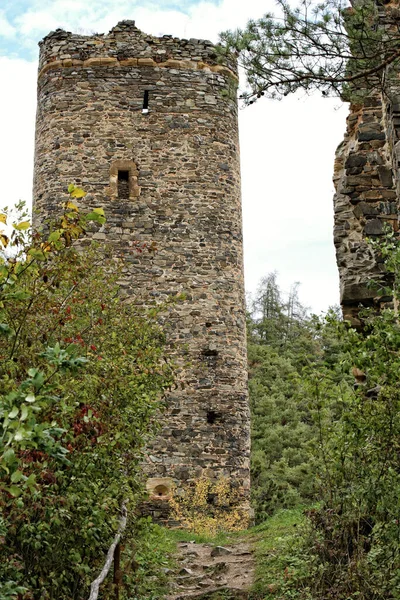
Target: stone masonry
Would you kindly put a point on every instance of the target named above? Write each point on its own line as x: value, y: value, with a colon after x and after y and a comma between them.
x: 367, y: 181
x: 148, y: 127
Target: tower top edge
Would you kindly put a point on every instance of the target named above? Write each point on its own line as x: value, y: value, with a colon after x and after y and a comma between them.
x: 125, y: 28
x: 126, y: 41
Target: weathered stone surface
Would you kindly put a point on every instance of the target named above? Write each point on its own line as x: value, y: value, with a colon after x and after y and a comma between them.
x: 367, y: 191
x: 373, y: 227
x: 365, y: 209
x: 157, y: 173
x: 386, y: 176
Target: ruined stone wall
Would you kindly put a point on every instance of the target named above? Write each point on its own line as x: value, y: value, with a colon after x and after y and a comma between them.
x: 148, y: 127
x: 366, y: 178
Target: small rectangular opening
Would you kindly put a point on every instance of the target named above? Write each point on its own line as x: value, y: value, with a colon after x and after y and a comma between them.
x: 145, y: 108
x: 123, y: 184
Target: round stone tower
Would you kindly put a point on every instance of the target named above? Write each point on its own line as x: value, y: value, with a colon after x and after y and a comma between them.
x: 148, y: 127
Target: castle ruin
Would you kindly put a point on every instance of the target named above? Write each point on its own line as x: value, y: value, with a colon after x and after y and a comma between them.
x: 148, y: 127
x: 367, y: 181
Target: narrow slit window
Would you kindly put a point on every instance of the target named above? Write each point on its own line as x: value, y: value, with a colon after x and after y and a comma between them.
x: 145, y: 109
x: 213, y: 417
x: 123, y: 184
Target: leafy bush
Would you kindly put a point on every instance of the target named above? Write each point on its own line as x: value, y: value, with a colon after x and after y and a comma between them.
x: 82, y: 375
x: 356, y: 530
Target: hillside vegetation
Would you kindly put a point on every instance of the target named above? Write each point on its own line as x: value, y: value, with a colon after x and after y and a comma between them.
x: 326, y: 433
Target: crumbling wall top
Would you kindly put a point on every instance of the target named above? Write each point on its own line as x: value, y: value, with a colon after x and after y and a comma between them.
x: 126, y: 41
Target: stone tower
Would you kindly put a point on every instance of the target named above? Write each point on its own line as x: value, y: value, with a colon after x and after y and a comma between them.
x: 148, y: 127
x: 367, y: 181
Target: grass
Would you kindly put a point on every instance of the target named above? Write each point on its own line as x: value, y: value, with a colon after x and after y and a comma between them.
x: 152, y: 560
x: 280, y: 564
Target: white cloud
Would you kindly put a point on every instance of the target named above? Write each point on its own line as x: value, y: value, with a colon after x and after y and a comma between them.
x: 33, y: 23
x: 6, y: 29
x: 202, y: 20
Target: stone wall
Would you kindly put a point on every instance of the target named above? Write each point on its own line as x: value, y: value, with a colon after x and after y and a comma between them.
x: 366, y: 178
x: 166, y: 173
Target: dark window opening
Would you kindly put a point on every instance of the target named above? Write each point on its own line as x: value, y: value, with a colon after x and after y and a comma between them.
x: 210, y: 352
x: 212, y: 417
x: 145, y: 108
x: 123, y: 184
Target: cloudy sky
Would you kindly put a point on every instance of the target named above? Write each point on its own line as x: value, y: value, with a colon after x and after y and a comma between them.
x: 287, y: 148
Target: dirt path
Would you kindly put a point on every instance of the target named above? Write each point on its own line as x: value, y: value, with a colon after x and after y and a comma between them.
x: 203, y: 570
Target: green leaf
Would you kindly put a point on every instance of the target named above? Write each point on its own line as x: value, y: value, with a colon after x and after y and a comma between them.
x: 30, y: 397
x: 24, y: 413
x: 22, y: 226
x: 19, y: 435
x: 13, y: 413
x: 8, y: 456
x: 54, y: 236
x: 36, y: 254
x: 5, y: 329
x: 14, y: 491
x: 71, y: 188
x: 31, y: 480
x: 93, y: 216
x: 16, y: 476
x: 21, y: 295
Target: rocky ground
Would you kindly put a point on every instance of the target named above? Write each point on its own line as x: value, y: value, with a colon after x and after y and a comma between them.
x: 206, y: 571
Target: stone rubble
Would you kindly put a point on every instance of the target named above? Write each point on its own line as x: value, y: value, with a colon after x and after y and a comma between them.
x: 201, y: 571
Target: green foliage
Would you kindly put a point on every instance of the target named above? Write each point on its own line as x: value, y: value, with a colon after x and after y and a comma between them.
x: 281, y: 342
x: 325, y: 46
x: 348, y: 547
x: 356, y: 531
x: 82, y: 376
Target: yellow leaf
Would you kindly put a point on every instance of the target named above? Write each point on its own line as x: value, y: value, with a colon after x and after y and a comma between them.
x: 99, y: 211
x: 3, y: 218
x: 4, y: 240
x: 72, y: 206
x: 22, y: 225
x: 78, y: 193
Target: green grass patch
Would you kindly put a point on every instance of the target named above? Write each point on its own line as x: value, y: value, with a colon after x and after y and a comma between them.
x: 149, y: 563
x: 281, y: 565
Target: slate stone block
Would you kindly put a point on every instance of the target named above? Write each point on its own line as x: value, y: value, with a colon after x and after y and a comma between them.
x: 373, y: 227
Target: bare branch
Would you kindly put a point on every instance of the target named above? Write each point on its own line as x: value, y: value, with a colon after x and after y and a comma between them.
x: 95, y: 586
